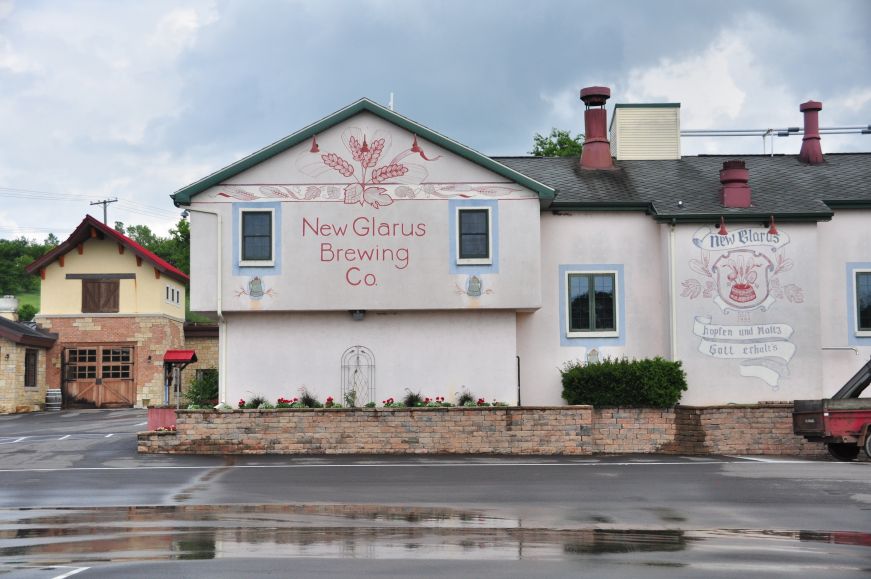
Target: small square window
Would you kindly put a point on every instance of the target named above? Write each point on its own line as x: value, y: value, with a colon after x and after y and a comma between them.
x: 257, y: 237
x: 474, y: 242
x: 592, y: 304
x: 863, y: 303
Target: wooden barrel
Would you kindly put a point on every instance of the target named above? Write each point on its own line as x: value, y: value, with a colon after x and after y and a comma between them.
x: 52, y: 400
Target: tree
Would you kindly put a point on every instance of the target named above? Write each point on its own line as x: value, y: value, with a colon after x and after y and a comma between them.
x: 175, y: 249
x: 558, y: 144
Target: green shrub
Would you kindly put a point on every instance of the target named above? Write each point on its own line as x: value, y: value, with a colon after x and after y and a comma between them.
x: 203, y: 391
x: 654, y: 383
x: 412, y: 399
x: 309, y: 400
x: 465, y: 398
x: 256, y: 401
x: 26, y: 312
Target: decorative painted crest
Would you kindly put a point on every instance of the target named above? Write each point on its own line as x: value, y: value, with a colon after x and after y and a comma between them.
x: 367, y: 175
x: 255, y: 290
x: 364, y: 170
x: 742, y: 280
x: 740, y: 272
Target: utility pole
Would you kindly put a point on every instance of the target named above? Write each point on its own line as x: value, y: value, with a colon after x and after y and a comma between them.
x: 105, y: 204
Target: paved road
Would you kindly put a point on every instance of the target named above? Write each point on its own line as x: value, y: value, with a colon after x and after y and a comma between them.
x: 73, y: 493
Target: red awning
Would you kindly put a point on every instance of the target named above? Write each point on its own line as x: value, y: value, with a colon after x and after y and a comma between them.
x: 180, y: 356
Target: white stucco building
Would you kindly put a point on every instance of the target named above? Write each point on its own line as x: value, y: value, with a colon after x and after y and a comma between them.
x: 367, y: 251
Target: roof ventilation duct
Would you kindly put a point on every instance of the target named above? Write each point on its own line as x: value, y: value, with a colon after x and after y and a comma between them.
x: 735, y: 191
x: 597, y: 151
x: 811, y: 152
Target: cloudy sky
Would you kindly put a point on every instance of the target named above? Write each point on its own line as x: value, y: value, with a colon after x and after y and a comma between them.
x: 136, y: 99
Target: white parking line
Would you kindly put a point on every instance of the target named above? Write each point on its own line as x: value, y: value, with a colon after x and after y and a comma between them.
x: 19, y: 439
x: 109, y: 435
x: 64, y: 437
x: 773, y: 460
x: 71, y: 573
x: 415, y: 465
x: 142, y: 423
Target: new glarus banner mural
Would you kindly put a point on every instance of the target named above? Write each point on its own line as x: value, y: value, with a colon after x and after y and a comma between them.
x: 744, y: 274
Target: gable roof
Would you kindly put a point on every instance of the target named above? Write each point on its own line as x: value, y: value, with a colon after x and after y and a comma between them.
x: 25, y: 334
x: 183, y: 196
x: 780, y: 184
x: 83, y: 232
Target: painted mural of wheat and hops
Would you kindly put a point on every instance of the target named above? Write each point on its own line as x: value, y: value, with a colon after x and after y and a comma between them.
x: 365, y: 163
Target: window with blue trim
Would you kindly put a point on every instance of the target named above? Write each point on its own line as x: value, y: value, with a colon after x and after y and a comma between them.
x: 592, y: 302
x: 473, y: 235
x: 863, y: 301
x: 257, y: 236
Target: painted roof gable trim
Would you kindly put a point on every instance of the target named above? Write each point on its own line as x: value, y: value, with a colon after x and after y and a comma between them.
x: 184, y: 195
x: 82, y: 234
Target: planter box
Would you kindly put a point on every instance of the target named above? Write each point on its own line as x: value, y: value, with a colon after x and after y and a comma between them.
x: 161, y: 417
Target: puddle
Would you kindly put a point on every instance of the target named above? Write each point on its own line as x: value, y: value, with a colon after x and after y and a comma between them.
x: 58, y: 536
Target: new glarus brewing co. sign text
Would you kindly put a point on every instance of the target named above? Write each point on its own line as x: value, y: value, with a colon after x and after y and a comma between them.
x: 354, y: 244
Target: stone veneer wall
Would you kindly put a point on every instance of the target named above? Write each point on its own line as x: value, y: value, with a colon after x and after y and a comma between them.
x: 578, y: 430
x: 741, y: 429
x: 207, y: 356
x: 14, y: 397
x: 633, y: 430
x: 527, y: 430
x: 150, y: 335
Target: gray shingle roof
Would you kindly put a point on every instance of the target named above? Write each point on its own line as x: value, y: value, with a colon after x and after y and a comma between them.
x: 24, y: 334
x: 780, y: 184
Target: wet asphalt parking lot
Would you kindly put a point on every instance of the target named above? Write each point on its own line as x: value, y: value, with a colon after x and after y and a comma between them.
x: 76, y: 500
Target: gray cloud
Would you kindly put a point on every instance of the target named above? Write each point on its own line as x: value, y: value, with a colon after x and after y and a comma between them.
x: 137, y: 100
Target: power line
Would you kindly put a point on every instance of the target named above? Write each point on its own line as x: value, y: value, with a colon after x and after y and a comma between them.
x: 105, y: 204
x: 36, y: 195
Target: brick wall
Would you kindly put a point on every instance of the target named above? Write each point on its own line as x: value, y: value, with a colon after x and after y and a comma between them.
x: 528, y: 430
x: 14, y: 397
x: 207, y: 356
x: 580, y: 430
x: 741, y: 429
x: 150, y: 335
x: 633, y: 430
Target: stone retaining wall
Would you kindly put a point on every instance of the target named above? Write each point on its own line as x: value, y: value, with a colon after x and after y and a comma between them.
x: 570, y: 430
x: 554, y: 430
x: 741, y: 429
x: 633, y: 430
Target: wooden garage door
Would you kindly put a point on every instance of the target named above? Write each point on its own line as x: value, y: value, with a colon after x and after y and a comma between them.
x: 101, y: 376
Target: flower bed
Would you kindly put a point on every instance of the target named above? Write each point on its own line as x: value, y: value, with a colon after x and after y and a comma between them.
x: 161, y: 417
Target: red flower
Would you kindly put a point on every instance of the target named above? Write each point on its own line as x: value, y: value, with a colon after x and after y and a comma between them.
x: 241, y: 403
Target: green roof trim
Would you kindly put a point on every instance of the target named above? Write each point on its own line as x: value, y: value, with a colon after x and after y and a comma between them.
x: 848, y: 203
x: 742, y: 217
x: 644, y: 206
x: 647, y: 106
x: 184, y: 195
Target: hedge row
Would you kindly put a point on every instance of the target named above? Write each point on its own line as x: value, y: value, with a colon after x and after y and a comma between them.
x: 655, y: 383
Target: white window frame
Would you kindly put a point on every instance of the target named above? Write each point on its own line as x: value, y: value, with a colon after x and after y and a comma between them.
x: 174, y: 297
x: 256, y: 262
x: 615, y: 333
x: 859, y: 333
x: 475, y: 261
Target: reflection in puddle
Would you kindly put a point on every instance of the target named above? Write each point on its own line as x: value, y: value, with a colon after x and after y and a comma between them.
x: 337, y: 531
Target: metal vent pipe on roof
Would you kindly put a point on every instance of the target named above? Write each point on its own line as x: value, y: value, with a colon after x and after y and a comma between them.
x: 811, y: 151
x: 596, y: 153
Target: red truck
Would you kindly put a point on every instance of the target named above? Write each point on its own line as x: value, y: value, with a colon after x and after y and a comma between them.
x: 843, y: 421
